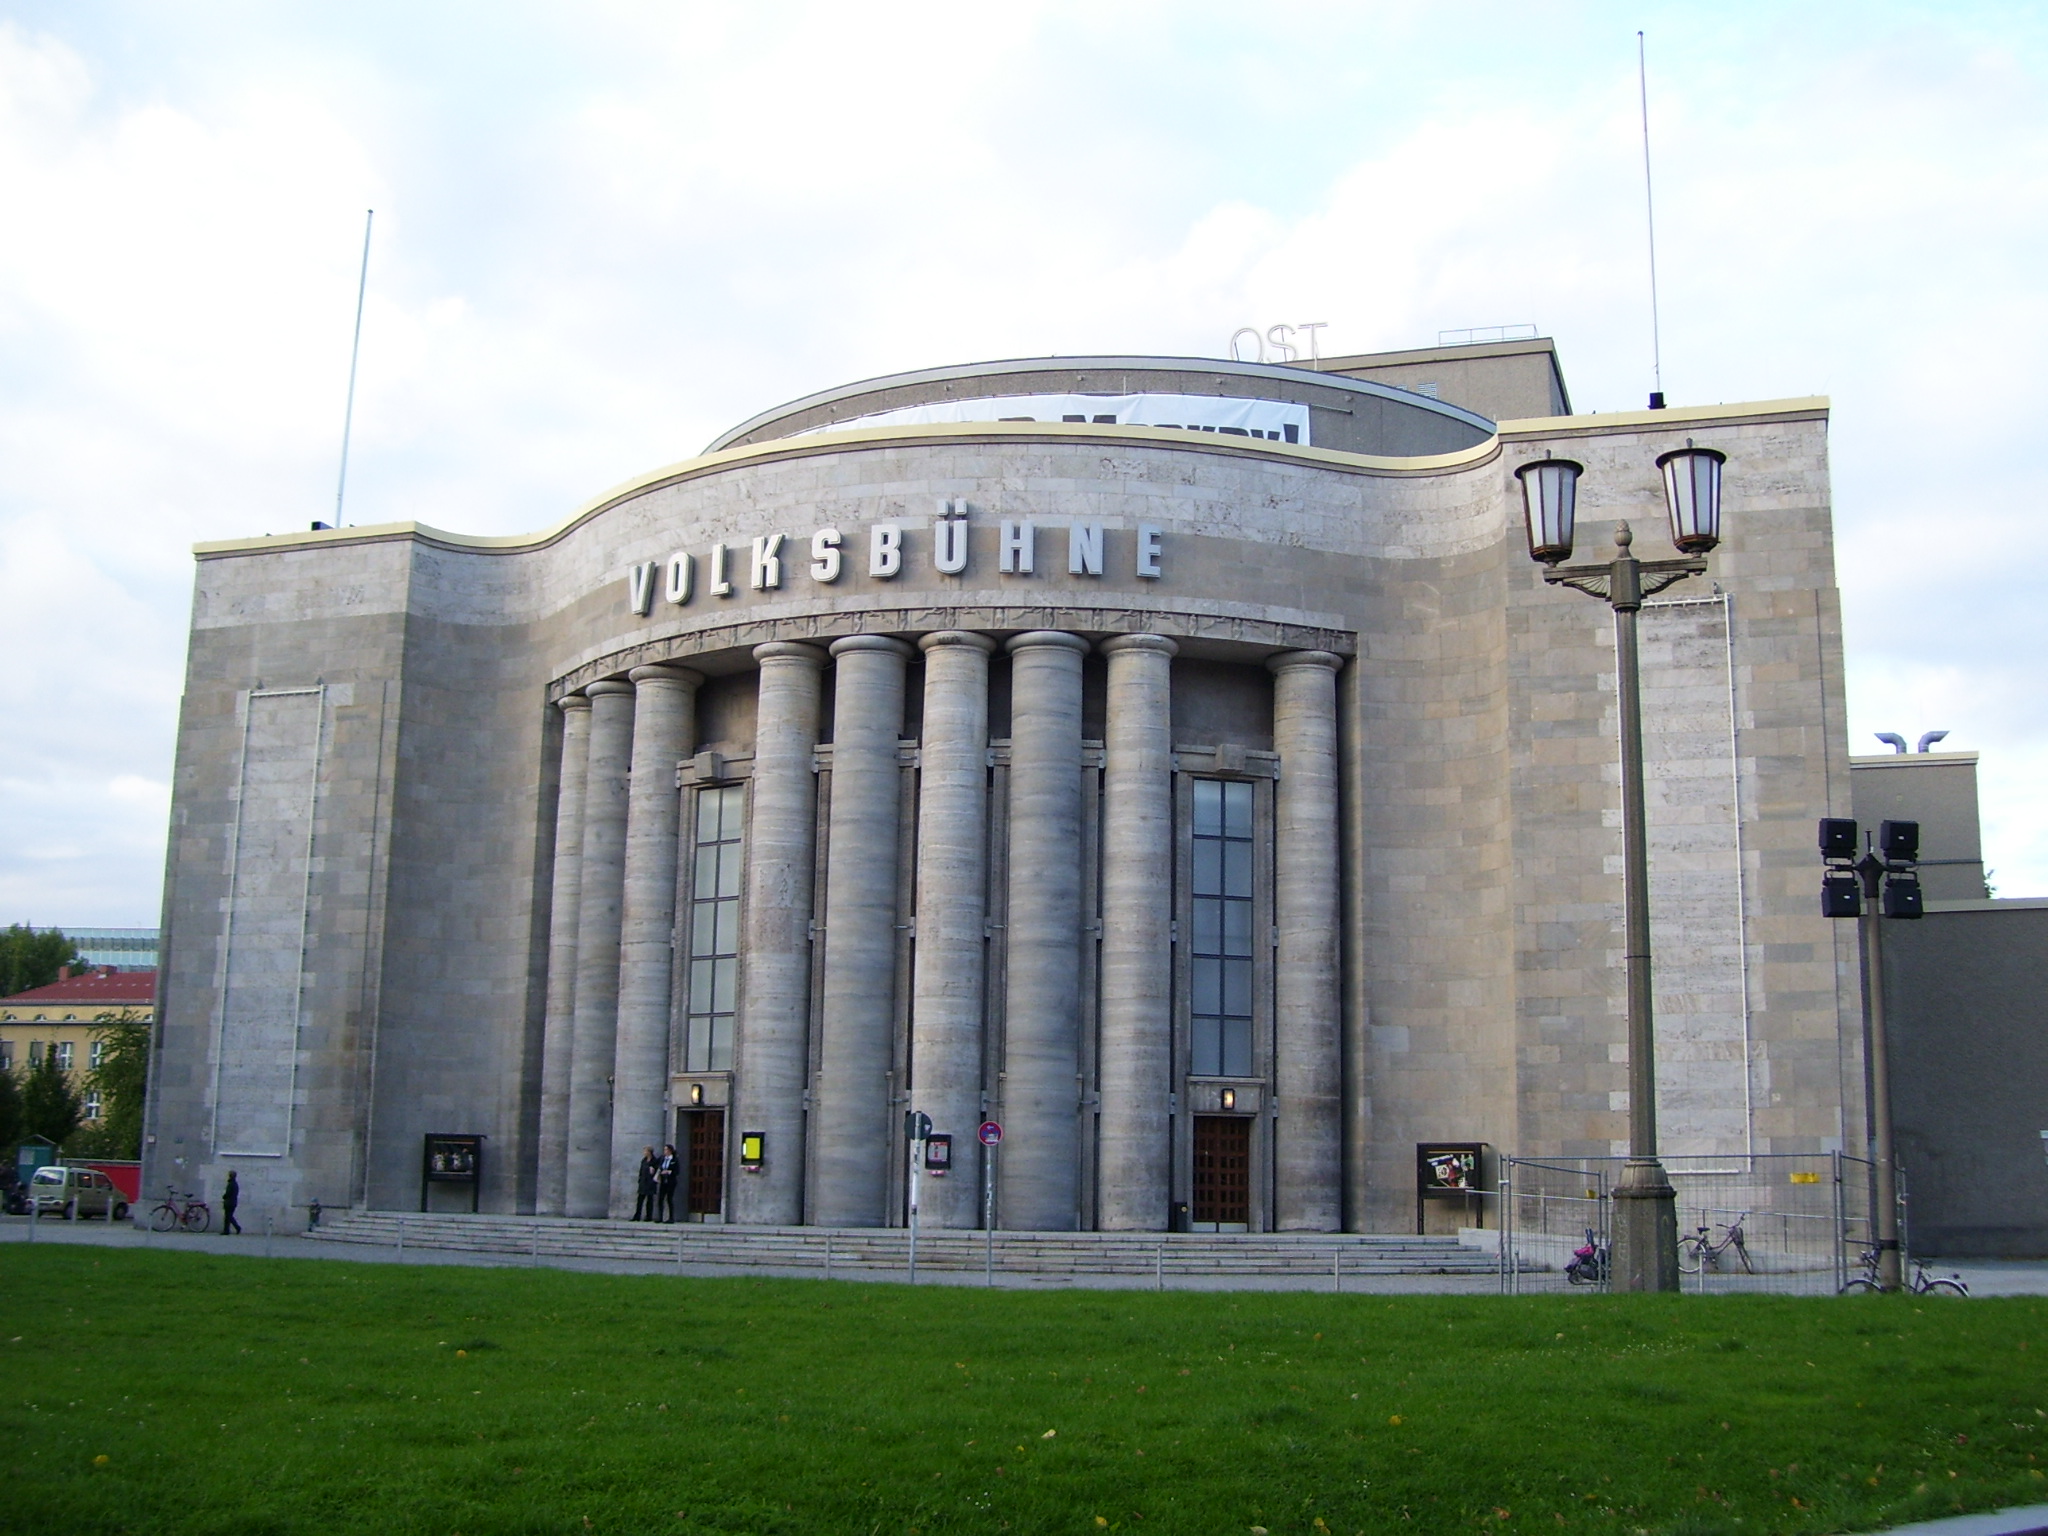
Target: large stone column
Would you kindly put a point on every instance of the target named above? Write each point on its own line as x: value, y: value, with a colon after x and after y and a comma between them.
x: 1307, y: 1144
x: 771, y: 1053
x: 857, y: 1008
x: 1042, y: 993
x: 559, y: 1029
x: 1136, y: 1062
x: 588, y: 1182
x: 952, y: 914
x: 664, y: 732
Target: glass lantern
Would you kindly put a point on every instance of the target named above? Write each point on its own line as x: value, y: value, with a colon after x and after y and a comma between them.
x: 1550, y: 491
x: 1692, y: 492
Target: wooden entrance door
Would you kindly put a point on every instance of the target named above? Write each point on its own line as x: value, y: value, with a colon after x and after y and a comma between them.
x: 1223, y: 1170
x: 704, y: 1137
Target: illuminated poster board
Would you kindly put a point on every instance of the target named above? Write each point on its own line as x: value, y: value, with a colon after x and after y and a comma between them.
x: 1450, y: 1170
x: 453, y: 1160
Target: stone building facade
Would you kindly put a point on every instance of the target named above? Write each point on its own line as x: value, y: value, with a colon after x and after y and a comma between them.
x: 1180, y: 763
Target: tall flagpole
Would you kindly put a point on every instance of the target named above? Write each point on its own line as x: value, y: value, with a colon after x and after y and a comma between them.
x: 348, y: 414
x: 1650, y: 222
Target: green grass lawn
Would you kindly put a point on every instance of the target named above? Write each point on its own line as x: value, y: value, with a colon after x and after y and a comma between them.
x: 153, y: 1391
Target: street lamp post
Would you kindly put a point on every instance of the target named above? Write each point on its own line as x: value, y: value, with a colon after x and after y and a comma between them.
x: 1646, y: 1214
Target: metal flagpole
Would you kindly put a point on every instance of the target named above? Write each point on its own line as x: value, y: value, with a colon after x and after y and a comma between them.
x: 348, y: 414
x: 1650, y: 224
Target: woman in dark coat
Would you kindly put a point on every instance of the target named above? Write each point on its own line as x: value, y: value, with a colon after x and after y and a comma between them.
x: 643, y: 1207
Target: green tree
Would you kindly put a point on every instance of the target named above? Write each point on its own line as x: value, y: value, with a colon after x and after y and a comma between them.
x: 30, y: 959
x: 49, y: 1104
x: 10, y: 1113
x: 122, y: 1082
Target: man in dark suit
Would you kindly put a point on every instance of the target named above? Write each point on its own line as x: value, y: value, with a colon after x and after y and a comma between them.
x: 230, y: 1197
x: 665, y: 1173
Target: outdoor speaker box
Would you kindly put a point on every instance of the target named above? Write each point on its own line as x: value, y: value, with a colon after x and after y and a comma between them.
x: 1899, y: 841
x: 1837, y: 838
x: 1902, y: 897
x: 1841, y: 896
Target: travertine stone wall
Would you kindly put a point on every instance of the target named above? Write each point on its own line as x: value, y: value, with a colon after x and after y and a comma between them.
x: 1479, y: 841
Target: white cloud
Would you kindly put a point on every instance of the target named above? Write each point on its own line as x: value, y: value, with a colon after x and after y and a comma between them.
x: 605, y: 235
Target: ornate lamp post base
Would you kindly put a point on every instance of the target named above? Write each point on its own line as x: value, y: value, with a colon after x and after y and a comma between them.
x: 1645, y: 1229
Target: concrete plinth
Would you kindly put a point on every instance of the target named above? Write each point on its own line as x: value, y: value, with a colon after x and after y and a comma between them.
x: 1645, y: 1246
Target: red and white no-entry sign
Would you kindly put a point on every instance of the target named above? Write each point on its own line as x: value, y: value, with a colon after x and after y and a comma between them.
x: 991, y: 1133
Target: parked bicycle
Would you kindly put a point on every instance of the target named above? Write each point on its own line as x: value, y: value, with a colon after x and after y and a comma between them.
x: 1922, y: 1283
x: 177, y: 1213
x: 1699, y: 1249
x: 1589, y: 1262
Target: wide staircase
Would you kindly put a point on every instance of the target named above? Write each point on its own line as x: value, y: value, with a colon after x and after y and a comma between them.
x: 884, y: 1253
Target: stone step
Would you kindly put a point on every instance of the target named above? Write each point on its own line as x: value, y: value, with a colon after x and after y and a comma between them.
x: 1248, y: 1255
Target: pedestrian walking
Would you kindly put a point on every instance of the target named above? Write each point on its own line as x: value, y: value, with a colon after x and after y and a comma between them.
x: 229, y: 1199
x: 665, y: 1184
x: 643, y: 1205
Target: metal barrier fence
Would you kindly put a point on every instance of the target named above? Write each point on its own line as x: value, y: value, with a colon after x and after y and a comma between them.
x: 1778, y: 1223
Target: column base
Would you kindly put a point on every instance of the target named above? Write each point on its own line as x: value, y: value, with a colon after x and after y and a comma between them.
x: 1645, y: 1255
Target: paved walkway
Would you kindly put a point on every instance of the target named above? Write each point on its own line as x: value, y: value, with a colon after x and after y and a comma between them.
x: 2027, y: 1520
x: 1985, y: 1277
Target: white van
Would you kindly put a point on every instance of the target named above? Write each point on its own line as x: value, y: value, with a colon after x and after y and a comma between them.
x: 75, y: 1193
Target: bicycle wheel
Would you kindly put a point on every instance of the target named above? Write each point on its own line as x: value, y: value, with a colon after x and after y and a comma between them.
x: 163, y: 1218
x: 1945, y: 1288
x: 1742, y: 1253
x: 195, y: 1218
x: 1860, y: 1288
x: 1688, y: 1257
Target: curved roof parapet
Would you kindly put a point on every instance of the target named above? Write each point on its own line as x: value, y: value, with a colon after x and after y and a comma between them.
x: 1350, y: 415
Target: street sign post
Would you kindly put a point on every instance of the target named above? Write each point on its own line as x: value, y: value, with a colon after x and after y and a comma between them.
x: 917, y: 1130
x: 991, y: 1134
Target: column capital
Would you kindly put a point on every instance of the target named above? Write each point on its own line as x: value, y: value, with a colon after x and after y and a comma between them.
x: 789, y: 650
x: 847, y: 644
x: 1047, y: 639
x: 665, y: 672
x: 572, y: 701
x: 1158, y: 645
x: 967, y: 639
x: 1288, y: 661
x: 609, y: 685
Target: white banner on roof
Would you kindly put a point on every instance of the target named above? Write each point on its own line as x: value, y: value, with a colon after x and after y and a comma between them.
x: 1278, y: 421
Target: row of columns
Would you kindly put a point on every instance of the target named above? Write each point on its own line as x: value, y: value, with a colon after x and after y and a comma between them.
x: 608, y: 1003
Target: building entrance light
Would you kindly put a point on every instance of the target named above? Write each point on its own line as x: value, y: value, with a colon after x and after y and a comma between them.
x: 1692, y: 493
x: 1550, y: 492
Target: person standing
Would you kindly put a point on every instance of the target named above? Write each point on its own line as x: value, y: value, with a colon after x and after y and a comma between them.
x: 230, y: 1197
x: 643, y: 1206
x: 665, y: 1184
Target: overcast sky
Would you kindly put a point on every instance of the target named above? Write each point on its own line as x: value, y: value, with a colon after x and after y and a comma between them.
x: 605, y: 232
